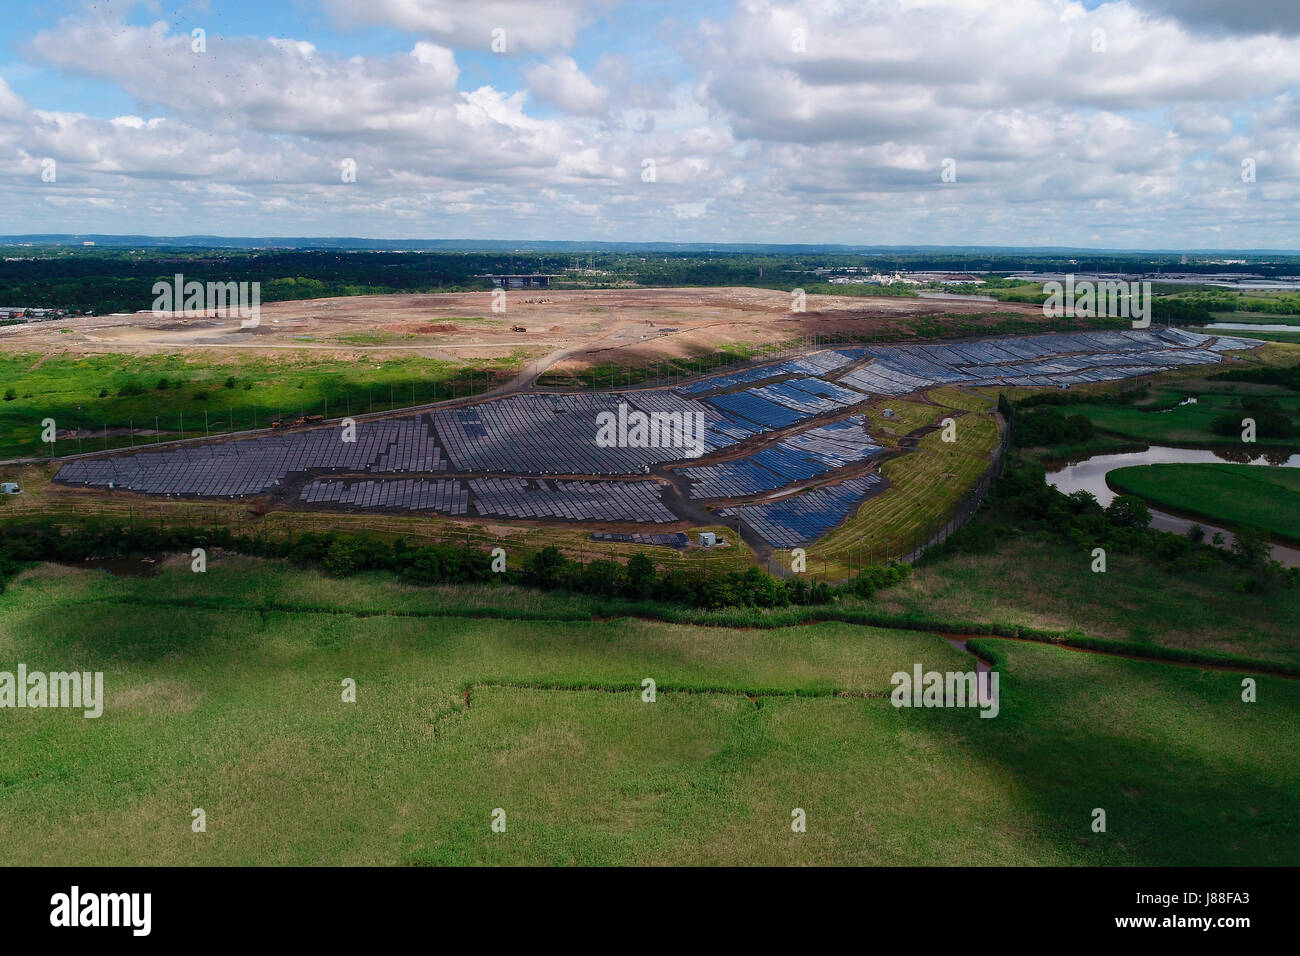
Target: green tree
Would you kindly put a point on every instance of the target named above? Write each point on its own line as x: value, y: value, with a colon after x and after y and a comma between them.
x: 1129, y: 511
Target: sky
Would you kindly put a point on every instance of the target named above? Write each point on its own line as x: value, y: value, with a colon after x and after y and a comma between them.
x: 1137, y: 124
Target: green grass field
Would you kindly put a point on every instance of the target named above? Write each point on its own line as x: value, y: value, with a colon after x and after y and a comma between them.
x: 1184, y: 425
x: 68, y: 390
x: 237, y: 710
x: 1263, y: 497
x: 1049, y: 584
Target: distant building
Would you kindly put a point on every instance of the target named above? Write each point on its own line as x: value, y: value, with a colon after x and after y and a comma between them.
x: 708, y: 539
x: 9, y: 488
x: 536, y: 280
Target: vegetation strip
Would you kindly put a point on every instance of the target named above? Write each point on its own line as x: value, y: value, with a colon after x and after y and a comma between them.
x: 1125, y: 649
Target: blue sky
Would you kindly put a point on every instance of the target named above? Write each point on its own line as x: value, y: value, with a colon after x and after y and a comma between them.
x: 1121, y: 123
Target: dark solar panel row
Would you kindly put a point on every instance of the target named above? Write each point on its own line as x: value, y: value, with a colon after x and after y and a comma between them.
x: 254, y: 465
x: 801, y: 519
x: 559, y: 434
x: 443, y: 495
x: 670, y: 540
x: 638, y: 501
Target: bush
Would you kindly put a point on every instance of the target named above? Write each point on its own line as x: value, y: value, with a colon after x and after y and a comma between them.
x: 1050, y: 426
x: 1129, y: 511
x: 1250, y: 545
x: 1271, y: 421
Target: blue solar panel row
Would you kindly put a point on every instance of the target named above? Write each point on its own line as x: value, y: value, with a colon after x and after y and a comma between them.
x: 798, y: 458
x: 802, y: 519
x: 749, y: 407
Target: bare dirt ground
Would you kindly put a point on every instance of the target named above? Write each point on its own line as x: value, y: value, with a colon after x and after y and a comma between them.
x: 625, y: 327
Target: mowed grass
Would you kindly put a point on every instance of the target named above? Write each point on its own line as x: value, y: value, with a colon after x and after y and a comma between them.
x: 1258, y: 495
x: 906, y: 417
x: 68, y: 391
x: 1049, y: 584
x: 238, y: 711
x: 1186, y: 424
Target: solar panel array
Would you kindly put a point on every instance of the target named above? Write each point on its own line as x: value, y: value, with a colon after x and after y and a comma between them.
x: 253, y: 465
x: 1041, y: 360
x: 801, y: 519
x: 637, y: 501
x: 557, y: 434
x: 800, y: 457
x: 668, y: 540
x: 443, y: 495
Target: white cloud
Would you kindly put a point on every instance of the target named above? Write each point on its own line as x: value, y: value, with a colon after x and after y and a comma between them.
x: 529, y: 25
x: 560, y: 83
x: 758, y: 141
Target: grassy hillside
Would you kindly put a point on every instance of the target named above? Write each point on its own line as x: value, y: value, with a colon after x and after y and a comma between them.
x: 123, y: 391
x: 1037, y: 582
x: 237, y: 709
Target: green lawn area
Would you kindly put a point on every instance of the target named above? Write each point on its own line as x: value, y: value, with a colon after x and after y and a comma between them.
x: 68, y: 391
x: 1183, y: 425
x: 1261, y: 496
x: 236, y: 709
x: 1048, y: 584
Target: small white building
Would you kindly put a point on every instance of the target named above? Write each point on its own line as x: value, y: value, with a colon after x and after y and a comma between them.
x: 708, y: 539
x: 9, y: 488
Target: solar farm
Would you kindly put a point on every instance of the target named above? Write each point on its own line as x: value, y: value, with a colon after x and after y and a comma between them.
x: 784, y: 446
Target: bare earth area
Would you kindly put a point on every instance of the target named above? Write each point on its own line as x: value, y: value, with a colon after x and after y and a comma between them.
x: 626, y: 327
